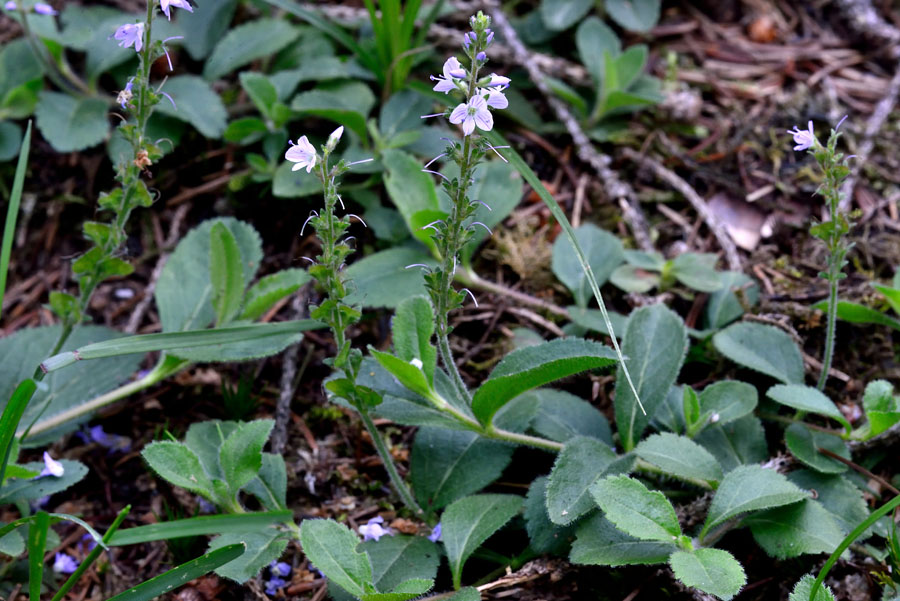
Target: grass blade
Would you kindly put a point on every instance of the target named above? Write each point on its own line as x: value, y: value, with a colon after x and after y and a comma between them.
x: 213, y: 524
x: 12, y: 213
x: 9, y: 421
x: 182, y: 574
x: 165, y: 341
x: 91, y: 557
x: 37, y: 541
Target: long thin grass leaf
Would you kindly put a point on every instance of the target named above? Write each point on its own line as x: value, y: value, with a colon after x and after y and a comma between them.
x: 9, y: 421
x: 197, y: 526
x: 37, y: 542
x: 12, y: 213
x: 184, y: 573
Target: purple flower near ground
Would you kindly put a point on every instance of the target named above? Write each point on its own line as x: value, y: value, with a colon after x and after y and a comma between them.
x: 205, y: 506
x: 87, y: 543
x: 804, y: 139
x: 166, y: 6
x: 435, y: 535
x: 97, y: 434
x: 64, y: 564
x: 273, y: 584
x: 452, y: 70
x: 475, y: 112
x: 280, y: 568
x: 372, y: 530
x: 51, y: 467
x: 303, y: 154
x: 45, y: 9
x: 11, y: 5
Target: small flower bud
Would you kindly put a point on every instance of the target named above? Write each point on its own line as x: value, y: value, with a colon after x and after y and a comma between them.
x: 481, y: 56
x: 490, y: 37
x: 334, y: 138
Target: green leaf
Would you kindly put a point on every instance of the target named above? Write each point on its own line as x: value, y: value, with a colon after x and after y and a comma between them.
x: 599, y: 542
x: 466, y: 594
x: 807, y: 398
x: 69, y: 123
x: 562, y: 14
x: 749, y: 488
x: 696, y: 270
x: 403, y: 591
x: 406, y: 373
x: 412, y: 192
x: 762, y: 348
x: 741, y: 442
x: 200, y: 525
x: 196, y: 104
x: 804, y: 444
x: 22, y: 351
x: 203, y: 28
x: 628, y: 67
x: 856, y: 313
x: 241, y: 453
x: 12, y: 544
x: 798, y: 529
x: 545, y: 536
x: 561, y: 416
x: 447, y: 465
x: 270, y: 289
x: 602, y: 250
x: 680, y: 457
x: 881, y: 406
x: 186, y: 572
x: 225, y: 272
x: 634, y: 279
x: 592, y: 319
x: 18, y: 490
x: 803, y: 591
x: 382, y: 280
x: 580, y: 463
x: 247, y: 43
x: 331, y: 547
x: 10, y: 141
x: 263, y: 547
x: 891, y: 294
x: 412, y: 328
x: 260, y: 90
x: 712, y: 571
x: 655, y: 344
x: 291, y: 184
x: 398, y: 559
x: 592, y: 38
x: 470, y: 521
x: 184, y: 291
x: 634, y: 15
x: 270, y: 487
x: 723, y: 305
x: 726, y: 401
x: 347, y: 103
x: 9, y: 421
x: 843, y: 500
x: 179, y: 465
x: 636, y: 510
x: 534, y: 366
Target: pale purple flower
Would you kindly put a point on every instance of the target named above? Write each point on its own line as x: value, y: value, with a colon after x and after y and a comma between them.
x: 273, y: 584
x: 52, y: 467
x: 475, y: 112
x: 280, y: 568
x: 166, y: 5
x: 498, y: 81
x: 495, y: 98
x: 87, y: 542
x: 42, y: 8
x: 435, y: 535
x: 481, y: 56
x: 113, y: 442
x: 803, y: 138
x: 205, y: 506
x: 64, y: 564
x: 11, y: 5
x: 490, y: 36
x: 131, y: 34
x: 373, y: 530
x: 303, y: 154
x: 452, y: 70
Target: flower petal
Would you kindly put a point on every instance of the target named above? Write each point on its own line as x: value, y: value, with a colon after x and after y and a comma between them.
x: 459, y: 113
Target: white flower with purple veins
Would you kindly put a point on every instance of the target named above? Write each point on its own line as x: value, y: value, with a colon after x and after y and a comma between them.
x: 452, y: 70
x: 498, y: 81
x: 303, y: 154
x: 166, y: 6
x: 472, y: 113
x: 495, y: 98
x: 804, y: 139
x: 373, y: 530
x: 131, y: 34
x: 52, y: 467
x: 64, y: 564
